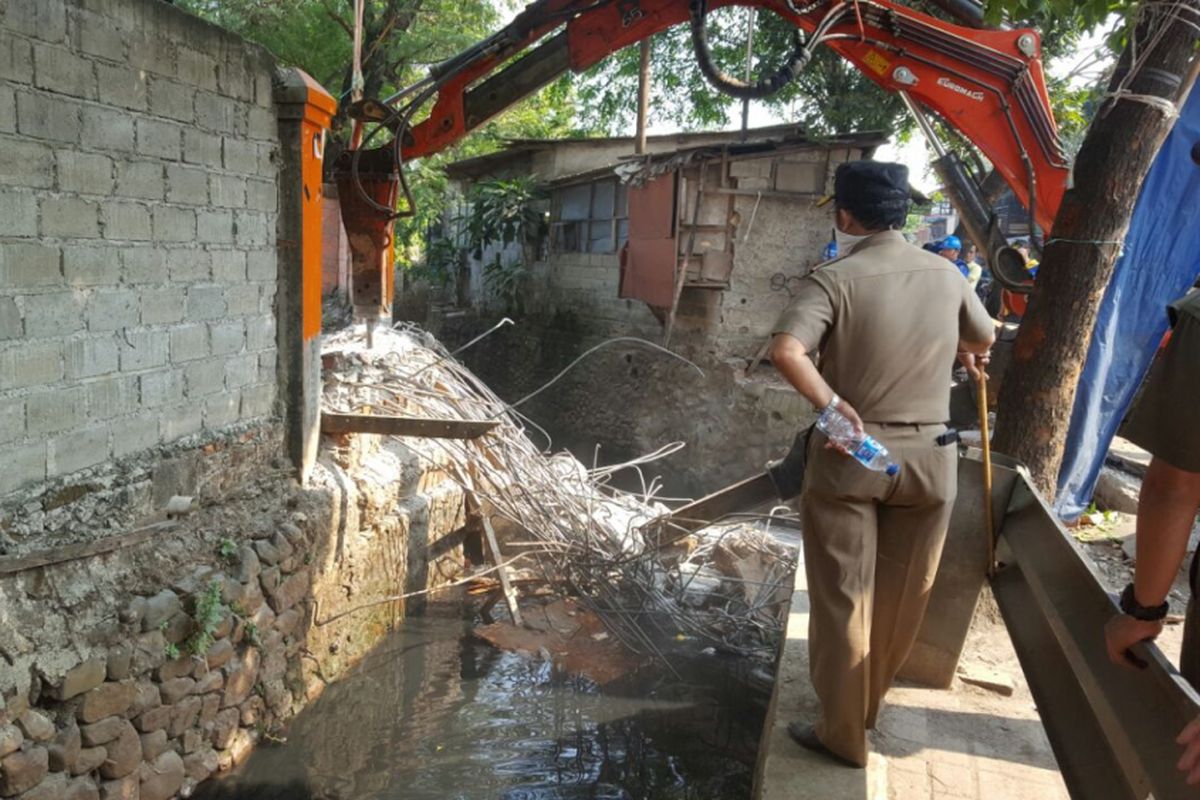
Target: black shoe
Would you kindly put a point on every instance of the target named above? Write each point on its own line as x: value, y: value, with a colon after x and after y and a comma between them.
x: 806, y: 736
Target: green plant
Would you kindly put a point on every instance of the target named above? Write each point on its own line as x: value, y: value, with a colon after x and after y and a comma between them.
x: 171, y: 651
x: 210, y: 611
x: 505, y: 281
x: 227, y: 548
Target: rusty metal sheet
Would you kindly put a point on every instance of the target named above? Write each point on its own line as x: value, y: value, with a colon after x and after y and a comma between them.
x: 652, y: 209
x: 648, y: 271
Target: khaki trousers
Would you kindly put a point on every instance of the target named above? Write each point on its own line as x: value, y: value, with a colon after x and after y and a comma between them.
x: 871, y: 548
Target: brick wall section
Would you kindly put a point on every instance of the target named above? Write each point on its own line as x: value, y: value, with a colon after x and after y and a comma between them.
x: 137, y: 262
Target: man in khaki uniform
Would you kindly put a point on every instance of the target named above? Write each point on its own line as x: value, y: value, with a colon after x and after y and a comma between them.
x: 885, y: 322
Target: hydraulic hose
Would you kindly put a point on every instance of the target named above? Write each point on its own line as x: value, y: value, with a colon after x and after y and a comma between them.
x: 728, y: 84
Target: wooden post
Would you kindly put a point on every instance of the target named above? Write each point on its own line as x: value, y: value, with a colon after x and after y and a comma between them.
x: 639, y: 145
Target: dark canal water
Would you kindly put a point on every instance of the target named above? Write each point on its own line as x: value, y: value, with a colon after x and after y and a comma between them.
x: 433, y: 713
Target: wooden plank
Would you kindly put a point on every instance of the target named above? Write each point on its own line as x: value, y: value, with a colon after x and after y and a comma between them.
x: 10, y: 565
x: 510, y: 593
x: 387, y: 425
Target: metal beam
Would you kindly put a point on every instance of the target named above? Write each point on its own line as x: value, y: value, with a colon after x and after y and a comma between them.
x: 385, y: 425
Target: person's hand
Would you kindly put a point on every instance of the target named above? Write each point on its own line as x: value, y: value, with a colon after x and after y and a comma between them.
x: 1189, y: 762
x: 975, y: 363
x: 847, y: 411
x: 1123, y: 632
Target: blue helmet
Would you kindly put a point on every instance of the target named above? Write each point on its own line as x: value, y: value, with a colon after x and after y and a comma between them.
x: 950, y: 243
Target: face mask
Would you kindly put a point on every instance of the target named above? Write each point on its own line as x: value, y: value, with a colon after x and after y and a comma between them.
x: 845, y: 241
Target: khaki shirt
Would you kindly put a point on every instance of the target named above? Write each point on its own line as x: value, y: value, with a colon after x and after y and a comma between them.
x: 886, y: 321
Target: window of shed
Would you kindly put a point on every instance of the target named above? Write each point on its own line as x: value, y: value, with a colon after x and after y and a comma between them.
x: 590, y: 217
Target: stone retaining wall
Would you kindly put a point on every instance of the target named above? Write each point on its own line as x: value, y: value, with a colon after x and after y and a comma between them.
x: 139, y: 673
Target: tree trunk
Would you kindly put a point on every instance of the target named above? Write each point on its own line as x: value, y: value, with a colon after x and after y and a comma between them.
x: 1038, y: 393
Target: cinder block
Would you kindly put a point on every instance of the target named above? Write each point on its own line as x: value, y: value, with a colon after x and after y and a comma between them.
x: 8, y: 109
x: 196, y: 68
x: 260, y: 333
x: 96, y: 34
x: 16, y: 59
x: 216, y: 113
x: 229, y: 266
x: 179, y: 421
x: 240, y: 155
x: 22, y: 464
x: 202, y: 378
x: 57, y: 69
x: 55, y: 410
x: 258, y: 401
x: 133, y: 435
x: 264, y: 90
x: 52, y: 314
x: 261, y: 123
x: 47, y: 116
x: 235, y: 76
x: 268, y: 160
x: 153, y: 52
x: 189, y: 342
x: 262, y: 195
x: 251, y: 228
x: 126, y: 221
x: 214, y: 227
x: 160, y: 388
x: 793, y: 177
x: 143, y: 265
x: 750, y: 168
x: 173, y: 224
x: 121, y: 86
x: 241, y: 300
x: 189, y: 265
x: 205, y: 303
x: 90, y: 356
x: 222, y: 409
x: 201, y: 148
x: 84, y: 173
x: 70, y: 218
x: 162, y: 306
x: 143, y: 349
x: 172, y: 100
x: 227, y: 337
x: 107, y: 129
x: 26, y: 363
x: 140, y: 179
x: 228, y: 191
x: 12, y: 419
x: 41, y: 19
x: 261, y: 265
x: 11, y: 324
x: 266, y: 298
x: 111, y: 396
x: 241, y: 371
x: 187, y: 185
x: 24, y: 163
x: 160, y: 139
x: 18, y: 210
x: 112, y: 309
x: 91, y: 265
x: 267, y: 366
x: 78, y: 450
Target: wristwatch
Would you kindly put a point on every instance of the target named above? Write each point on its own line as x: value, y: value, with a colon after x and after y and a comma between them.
x: 1130, y: 606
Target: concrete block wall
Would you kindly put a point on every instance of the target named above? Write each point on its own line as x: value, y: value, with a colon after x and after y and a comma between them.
x: 138, y: 203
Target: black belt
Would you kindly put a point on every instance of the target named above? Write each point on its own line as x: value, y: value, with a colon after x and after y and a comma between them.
x: 949, y: 437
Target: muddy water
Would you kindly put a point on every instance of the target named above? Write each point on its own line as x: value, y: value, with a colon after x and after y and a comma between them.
x: 434, y: 713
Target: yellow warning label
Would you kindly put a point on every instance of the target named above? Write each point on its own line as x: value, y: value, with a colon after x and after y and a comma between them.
x: 876, y: 61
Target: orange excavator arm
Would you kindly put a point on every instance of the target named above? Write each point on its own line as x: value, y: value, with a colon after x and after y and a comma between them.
x: 988, y: 84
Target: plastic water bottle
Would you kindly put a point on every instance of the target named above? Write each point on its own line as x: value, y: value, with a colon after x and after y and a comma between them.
x: 866, y: 449
x: 831, y: 250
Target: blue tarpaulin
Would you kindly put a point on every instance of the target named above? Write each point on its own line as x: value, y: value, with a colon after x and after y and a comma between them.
x: 1160, y: 261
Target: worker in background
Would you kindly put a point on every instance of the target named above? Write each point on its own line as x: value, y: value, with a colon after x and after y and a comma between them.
x: 1165, y: 424
x: 968, y: 264
x: 885, y: 321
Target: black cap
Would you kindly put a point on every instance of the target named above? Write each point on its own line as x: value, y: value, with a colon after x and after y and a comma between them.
x: 870, y: 186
